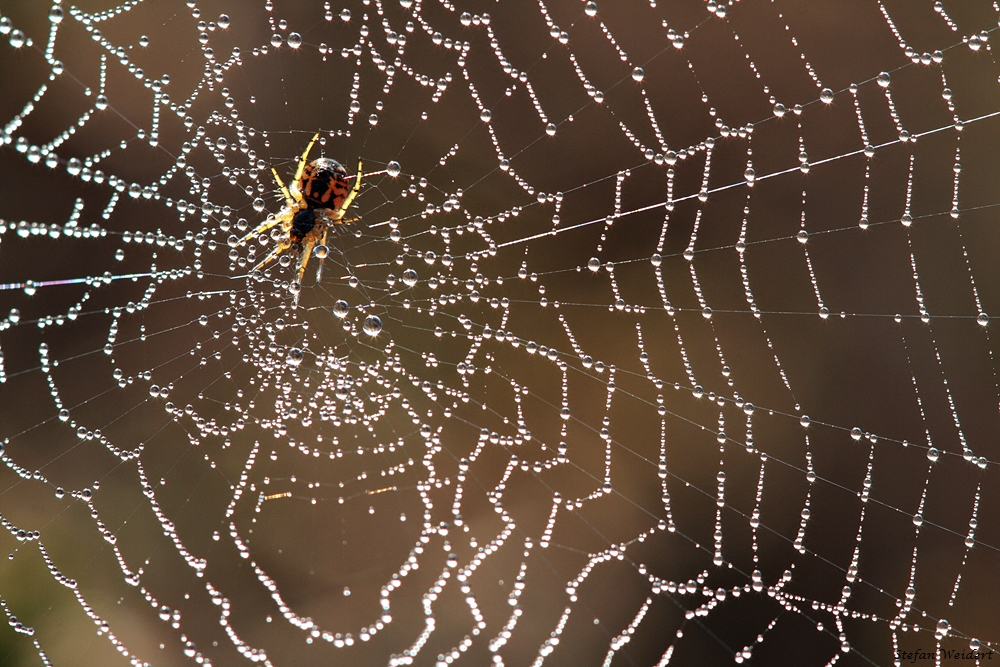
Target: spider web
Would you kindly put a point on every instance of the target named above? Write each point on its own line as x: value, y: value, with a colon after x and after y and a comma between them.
x: 663, y: 335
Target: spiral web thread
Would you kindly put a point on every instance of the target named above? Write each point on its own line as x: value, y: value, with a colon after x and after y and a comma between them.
x: 569, y: 347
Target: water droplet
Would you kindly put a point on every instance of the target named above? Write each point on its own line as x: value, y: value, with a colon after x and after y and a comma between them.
x: 594, y: 264
x: 750, y: 175
x: 409, y: 277
x: 779, y: 110
x: 258, y: 204
x: 942, y: 629
x: 638, y: 73
x: 340, y: 309
x: 706, y: 312
x: 802, y: 236
x: 907, y: 219
x: 373, y: 119
x: 826, y: 96
x: 656, y: 260
x: 295, y: 40
x: 565, y: 413
x: 933, y: 454
x: 804, y: 421
x: 276, y: 40
x: 134, y: 190
x: 321, y: 251
x: 373, y: 325
x: 485, y: 115
x: 345, y: 14
x: 883, y: 79
x: 688, y: 254
x: 869, y: 150
x: 465, y: 19
x: 550, y: 129
x: 101, y: 103
x: 56, y: 14
x: 590, y: 9
x: 347, y: 591
x: 855, y: 433
x: 392, y: 169
x: 294, y: 357
x: 223, y: 21
x: 983, y: 319
x: 16, y: 39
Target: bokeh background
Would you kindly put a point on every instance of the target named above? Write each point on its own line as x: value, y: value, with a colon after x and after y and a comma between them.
x: 156, y: 543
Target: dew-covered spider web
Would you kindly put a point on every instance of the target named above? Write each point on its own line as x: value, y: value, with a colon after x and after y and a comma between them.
x: 662, y: 337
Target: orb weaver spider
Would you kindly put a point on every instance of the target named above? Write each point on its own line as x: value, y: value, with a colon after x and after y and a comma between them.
x: 317, y: 198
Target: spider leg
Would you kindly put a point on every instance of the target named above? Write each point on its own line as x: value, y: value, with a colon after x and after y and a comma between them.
x: 306, y: 249
x: 289, y: 201
x: 338, y: 216
x: 304, y: 159
x: 284, y: 216
x: 270, y: 257
x: 319, y: 269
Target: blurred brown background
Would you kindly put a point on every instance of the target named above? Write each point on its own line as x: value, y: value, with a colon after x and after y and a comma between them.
x: 905, y: 380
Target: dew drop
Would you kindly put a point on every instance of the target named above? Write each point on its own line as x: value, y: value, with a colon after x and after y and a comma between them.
x: 409, y: 277
x: 826, y: 96
x: 855, y: 433
x: 101, y: 103
x: 295, y: 40
x: 750, y: 175
x: 340, y: 309
x: 258, y: 204
x: 983, y: 319
x: 883, y: 79
x: 321, y: 251
x: 373, y: 119
x: 933, y: 454
x: 656, y: 259
x: 345, y: 15
x: 223, y: 21
x: 594, y: 264
x: 276, y: 40
x: 590, y: 9
x: 804, y: 421
x: 565, y: 414
x: 802, y: 236
x: 638, y: 74
x: 294, y: 357
x: 56, y: 14
x: 16, y: 39
x: 550, y: 129
x: 392, y: 169
x: 373, y: 325
x: 485, y: 115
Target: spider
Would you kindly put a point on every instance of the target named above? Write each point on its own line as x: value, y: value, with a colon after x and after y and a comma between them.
x: 317, y: 198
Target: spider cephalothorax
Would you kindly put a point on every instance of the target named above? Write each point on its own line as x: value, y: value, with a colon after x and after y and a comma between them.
x: 319, y: 196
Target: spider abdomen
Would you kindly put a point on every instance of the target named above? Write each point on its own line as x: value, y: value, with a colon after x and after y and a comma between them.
x: 325, y: 183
